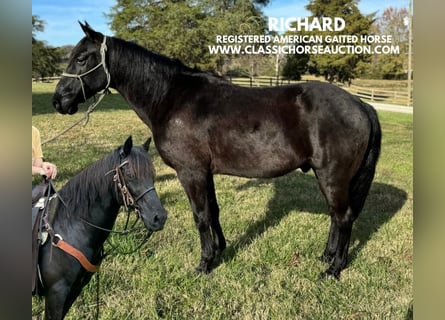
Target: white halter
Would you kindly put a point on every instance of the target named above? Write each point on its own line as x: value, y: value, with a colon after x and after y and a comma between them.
x: 103, y: 50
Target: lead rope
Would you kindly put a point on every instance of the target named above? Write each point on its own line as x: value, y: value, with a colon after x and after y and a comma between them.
x: 85, y: 118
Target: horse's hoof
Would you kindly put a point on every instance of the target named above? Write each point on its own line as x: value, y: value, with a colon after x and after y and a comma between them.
x: 326, y: 258
x: 203, y: 268
x: 329, y: 274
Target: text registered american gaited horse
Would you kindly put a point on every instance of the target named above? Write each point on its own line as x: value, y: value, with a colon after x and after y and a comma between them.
x: 203, y: 125
x: 79, y: 226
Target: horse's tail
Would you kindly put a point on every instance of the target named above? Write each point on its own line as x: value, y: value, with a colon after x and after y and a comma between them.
x: 361, y: 182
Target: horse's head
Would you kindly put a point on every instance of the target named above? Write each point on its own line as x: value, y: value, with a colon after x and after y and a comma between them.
x: 86, y: 74
x: 135, y: 180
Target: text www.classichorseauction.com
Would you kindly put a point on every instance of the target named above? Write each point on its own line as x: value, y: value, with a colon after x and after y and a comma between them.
x: 304, y: 44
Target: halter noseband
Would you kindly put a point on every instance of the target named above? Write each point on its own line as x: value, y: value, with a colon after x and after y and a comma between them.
x: 103, y: 50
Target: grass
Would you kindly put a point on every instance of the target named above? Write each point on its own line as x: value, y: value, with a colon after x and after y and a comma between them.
x: 276, y: 230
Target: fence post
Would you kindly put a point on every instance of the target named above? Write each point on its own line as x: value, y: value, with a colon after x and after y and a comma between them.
x: 250, y: 81
x: 270, y: 81
x: 372, y: 94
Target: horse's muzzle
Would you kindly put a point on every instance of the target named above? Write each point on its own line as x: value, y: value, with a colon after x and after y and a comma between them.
x: 58, y: 105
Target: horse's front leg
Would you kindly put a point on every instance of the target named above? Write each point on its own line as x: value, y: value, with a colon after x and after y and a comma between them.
x: 55, y: 299
x: 196, y: 185
x: 218, y: 235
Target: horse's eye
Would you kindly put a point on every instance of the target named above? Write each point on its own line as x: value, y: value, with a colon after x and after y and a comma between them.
x: 81, y: 60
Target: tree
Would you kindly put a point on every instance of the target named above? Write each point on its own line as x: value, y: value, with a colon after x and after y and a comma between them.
x: 392, y: 22
x: 37, y: 26
x: 340, y: 66
x: 295, y: 66
x: 45, y: 59
x: 183, y: 29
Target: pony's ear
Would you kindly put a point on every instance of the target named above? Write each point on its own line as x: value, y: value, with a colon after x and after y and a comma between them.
x: 126, y: 149
x: 146, y: 144
x: 90, y: 33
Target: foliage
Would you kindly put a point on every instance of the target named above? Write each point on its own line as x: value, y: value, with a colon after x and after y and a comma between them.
x: 339, y: 66
x: 183, y: 29
x: 45, y: 59
x: 276, y: 229
x: 38, y: 25
x: 392, y: 22
x: 295, y: 66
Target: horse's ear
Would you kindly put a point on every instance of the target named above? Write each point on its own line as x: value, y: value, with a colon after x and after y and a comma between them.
x: 90, y: 33
x: 126, y: 149
x: 146, y: 144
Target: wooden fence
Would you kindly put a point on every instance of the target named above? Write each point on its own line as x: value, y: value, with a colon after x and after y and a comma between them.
x: 372, y: 94
x: 262, y: 82
x: 381, y: 95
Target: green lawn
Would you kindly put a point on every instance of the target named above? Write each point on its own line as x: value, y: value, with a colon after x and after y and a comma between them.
x: 276, y: 230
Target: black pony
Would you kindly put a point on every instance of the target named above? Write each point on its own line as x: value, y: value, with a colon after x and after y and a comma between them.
x: 203, y: 125
x: 79, y: 226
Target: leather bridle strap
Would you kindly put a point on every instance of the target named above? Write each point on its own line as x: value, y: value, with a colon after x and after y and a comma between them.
x: 127, y: 197
x: 64, y: 246
x: 139, y: 197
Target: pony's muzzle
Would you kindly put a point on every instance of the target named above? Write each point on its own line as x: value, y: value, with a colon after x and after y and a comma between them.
x: 158, y: 220
x: 151, y: 210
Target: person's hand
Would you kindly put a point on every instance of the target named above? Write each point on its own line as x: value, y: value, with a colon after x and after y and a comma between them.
x: 49, y: 170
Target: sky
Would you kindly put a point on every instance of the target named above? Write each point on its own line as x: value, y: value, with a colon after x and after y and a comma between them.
x: 61, y: 27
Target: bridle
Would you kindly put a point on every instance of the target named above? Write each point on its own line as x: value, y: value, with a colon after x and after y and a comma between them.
x: 103, y: 50
x: 129, y: 201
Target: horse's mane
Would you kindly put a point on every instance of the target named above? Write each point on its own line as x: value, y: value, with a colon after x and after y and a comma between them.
x: 80, y: 192
x: 157, y: 68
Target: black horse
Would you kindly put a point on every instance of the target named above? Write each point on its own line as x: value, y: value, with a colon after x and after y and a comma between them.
x: 80, y: 226
x: 203, y: 125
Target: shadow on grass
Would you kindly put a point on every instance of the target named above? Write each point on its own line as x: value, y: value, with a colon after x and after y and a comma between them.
x: 300, y: 192
x: 165, y: 177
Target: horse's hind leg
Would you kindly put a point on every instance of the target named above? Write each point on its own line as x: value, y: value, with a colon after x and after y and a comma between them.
x: 336, y: 191
x: 336, y: 252
x: 331, y: 245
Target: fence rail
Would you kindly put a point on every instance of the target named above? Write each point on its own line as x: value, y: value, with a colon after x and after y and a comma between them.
x: 381, y: 95
x: 45, y: 79
x: 262, y: 82
x: 372, y: 94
